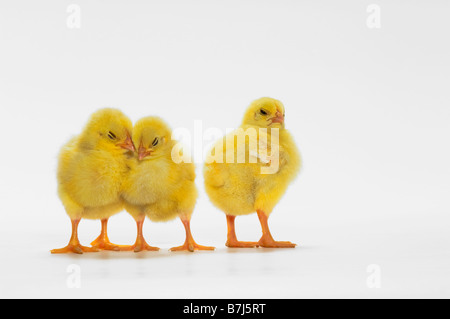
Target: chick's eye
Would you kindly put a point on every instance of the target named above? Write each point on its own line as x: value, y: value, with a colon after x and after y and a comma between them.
x: 263, y: 112
x: 111, y: 135
x: 155, y: 142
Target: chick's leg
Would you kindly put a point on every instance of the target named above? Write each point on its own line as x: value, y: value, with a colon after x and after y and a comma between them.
x: 140, y: 244
x: 267, y: 239
x: 74, y: 245
x: 232, y: 241
x: 189, y: 244
x: 102, y: 242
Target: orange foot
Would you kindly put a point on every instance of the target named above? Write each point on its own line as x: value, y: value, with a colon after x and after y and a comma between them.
x: 74, y: 248
x: 234, y: 243
x: 189, y: 243
x: 191, y: 246
x: 267, y: 239
x: 269, y: 242
x: 74, y: 244
x: 139, y: 246
x: 104, y: 244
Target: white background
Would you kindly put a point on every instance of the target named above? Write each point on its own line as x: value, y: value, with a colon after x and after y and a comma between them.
x: 369, y: 109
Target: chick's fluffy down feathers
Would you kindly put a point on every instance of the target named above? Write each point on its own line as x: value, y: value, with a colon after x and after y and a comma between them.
x: 90, y: 178
x: 241, y: 188
x: 157, y: 186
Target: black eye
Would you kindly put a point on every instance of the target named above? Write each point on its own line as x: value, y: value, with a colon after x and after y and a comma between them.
x: 155, y: 142
x: 111, y: 135
x: 263, y: 112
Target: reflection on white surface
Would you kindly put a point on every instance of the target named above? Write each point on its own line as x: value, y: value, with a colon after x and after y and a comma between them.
x: 334, y: 266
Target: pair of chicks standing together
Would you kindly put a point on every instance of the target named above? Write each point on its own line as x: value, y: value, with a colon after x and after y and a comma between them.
x: 112, y: 165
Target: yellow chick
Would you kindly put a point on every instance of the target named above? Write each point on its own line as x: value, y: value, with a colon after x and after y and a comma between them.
x: 269, y: 162
x: 159, y: 186
x: 91, y: 169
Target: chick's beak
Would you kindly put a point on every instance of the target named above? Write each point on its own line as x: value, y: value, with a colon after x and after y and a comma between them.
x: 143, y: 152
x: 128, y: 144
x: 279, y: 118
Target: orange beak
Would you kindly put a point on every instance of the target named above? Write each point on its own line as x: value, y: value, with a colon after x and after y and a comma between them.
x: 279, y: 118
x: 143, y: 152
x: 128, y: 144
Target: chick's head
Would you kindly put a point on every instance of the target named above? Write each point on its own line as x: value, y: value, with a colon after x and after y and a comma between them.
x: 152, y: 136
x: 108, y: 129
x: 265, y: 113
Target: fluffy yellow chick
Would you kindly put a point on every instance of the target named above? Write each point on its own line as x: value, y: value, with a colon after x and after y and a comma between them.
x: 91, y: 169
x: 270, y: 163
x: 158, y: 187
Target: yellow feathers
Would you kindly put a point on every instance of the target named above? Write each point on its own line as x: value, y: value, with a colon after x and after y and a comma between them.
x: 92, y: 166
x: 156, y: 186
x: 264, y: 113
x: 91, y: 169
x: 258, y: 185
x: 113, y: 166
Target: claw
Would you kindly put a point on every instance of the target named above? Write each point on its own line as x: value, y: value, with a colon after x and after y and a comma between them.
x: 76, y: 249
x: 191, y: 246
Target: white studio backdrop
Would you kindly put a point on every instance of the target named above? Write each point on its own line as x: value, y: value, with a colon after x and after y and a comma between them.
x: 366, y: 89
